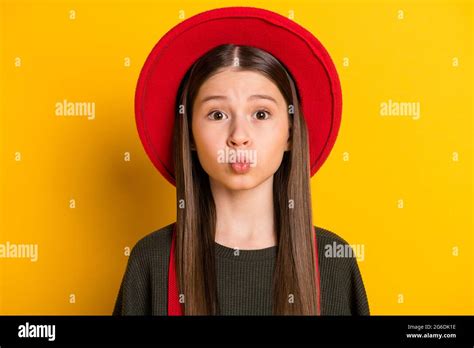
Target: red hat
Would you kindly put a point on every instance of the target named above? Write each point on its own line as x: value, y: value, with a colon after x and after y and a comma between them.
x: 300, y: 52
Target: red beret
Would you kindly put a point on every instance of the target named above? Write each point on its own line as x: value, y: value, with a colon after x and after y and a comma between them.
x: 302, y: 54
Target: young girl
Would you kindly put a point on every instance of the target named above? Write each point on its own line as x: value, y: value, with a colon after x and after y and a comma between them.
x: 243, y: 242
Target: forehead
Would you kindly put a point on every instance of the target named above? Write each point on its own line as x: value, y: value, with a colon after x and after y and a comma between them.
x: 233, y: 82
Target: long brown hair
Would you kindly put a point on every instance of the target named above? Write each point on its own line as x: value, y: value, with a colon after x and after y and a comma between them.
x: 294, y: 280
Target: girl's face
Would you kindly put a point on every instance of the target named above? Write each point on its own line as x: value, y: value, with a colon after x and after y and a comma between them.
x: 240, y: 126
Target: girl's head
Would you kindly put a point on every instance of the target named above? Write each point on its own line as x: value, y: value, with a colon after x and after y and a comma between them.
x: 240, y: 104
x: 239, y: 100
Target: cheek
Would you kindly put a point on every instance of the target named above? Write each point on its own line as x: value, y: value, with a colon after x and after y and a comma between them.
x: 207, y: 144
x: 272, y: 145
x: 269, y: 159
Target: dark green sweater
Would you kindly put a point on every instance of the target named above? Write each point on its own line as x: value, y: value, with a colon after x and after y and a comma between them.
x: 243, y: 282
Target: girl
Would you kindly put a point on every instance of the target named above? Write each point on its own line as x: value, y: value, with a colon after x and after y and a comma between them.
x: 243, y: 242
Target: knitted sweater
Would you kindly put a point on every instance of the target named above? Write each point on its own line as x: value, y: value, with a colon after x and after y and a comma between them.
x: 244, y: 283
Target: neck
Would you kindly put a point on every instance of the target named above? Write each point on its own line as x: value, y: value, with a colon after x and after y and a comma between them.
x: 245, y: 218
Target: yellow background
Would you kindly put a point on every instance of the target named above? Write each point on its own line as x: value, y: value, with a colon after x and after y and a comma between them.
x: 408, y: 251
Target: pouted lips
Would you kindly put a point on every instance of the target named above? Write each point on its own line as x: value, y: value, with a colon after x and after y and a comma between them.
x: 240, y: 167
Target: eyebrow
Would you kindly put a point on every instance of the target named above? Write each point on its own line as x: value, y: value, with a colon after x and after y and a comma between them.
x: 254, y: 96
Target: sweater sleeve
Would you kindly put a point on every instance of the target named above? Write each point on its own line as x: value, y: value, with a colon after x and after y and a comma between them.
x: 133, y: 297
x: 342, y: 287
x: 358, y: 296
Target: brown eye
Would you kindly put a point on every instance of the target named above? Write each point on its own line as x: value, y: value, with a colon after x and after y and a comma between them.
x: 216, y: 115
x: 262, y: 115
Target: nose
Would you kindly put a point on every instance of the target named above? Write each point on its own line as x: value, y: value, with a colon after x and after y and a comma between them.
x: 239, y: 135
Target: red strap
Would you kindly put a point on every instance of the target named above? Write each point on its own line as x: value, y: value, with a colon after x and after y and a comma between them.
x: 175, y: 308
x: 318, y: 276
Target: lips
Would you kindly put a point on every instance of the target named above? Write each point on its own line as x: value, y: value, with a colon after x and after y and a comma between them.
x: 240, y: 167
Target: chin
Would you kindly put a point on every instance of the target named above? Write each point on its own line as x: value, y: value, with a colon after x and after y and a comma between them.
x: 237, y: 182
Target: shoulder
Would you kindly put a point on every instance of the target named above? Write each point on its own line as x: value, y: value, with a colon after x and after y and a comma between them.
x: 143, y: 287
x: 150, y: 254
x: 335, y: 250
x: 342, y: 286
x: 326, y: 236
x: 153, y: 245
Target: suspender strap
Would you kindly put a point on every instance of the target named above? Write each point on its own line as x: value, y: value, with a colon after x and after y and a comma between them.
x: 174, y: 307
x: 318, y: 276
